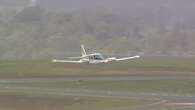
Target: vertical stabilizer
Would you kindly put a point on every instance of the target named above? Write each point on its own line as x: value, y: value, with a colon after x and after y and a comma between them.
x: 83, y: 52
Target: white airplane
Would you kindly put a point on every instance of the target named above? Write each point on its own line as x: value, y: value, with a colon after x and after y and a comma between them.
x: 94, y: 58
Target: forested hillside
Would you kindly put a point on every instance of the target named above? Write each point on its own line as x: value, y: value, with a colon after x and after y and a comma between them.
x: 36, y: 32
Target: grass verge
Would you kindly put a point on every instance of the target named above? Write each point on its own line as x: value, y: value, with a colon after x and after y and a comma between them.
x: 144, y: 66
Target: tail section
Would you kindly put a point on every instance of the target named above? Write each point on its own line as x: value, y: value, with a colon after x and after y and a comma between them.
x: 83, y: 52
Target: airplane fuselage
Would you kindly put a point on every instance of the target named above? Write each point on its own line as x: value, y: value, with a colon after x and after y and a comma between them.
x: 94, y: 58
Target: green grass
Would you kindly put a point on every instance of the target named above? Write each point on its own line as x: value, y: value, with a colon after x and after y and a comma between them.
x: 21, y: 102
x: 173, y: 86
x: 178, y: 108
x: 19, y: 99
x: 33, y: 68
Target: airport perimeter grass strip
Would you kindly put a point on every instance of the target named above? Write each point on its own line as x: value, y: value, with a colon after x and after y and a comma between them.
x: 41, y: 68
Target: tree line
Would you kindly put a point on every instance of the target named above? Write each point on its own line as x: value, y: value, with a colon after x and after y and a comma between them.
x: 35, y: 33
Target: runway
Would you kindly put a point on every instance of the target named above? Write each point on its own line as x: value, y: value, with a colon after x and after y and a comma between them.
x: 159, y: 99
x: 92, y: 78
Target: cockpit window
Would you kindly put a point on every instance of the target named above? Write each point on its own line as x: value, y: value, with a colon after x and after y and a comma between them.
x: 97, y: 57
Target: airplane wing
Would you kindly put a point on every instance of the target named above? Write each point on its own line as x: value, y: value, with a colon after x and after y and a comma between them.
x: 80, y: 57
x: 66, y: 61
x: 127, y: 58
x: 77, y: 57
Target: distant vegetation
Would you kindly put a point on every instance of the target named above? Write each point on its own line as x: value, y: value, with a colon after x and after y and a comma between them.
x: 35, y: 33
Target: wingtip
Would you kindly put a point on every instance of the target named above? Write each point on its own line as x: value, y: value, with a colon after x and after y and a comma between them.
x: 54, y: 60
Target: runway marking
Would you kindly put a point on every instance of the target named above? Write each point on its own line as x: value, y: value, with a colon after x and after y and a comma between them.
x: 180, y: 104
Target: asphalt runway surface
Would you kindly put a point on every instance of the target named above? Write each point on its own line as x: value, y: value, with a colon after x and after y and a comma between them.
x: 88, y: 78
x: 160, y: 99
